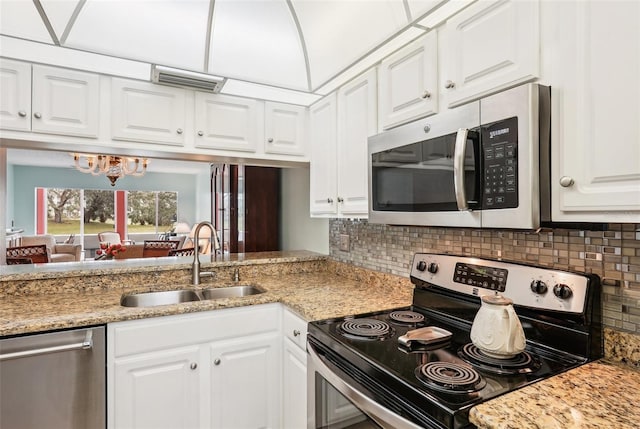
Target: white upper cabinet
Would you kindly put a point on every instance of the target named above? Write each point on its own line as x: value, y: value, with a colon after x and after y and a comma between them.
x: 228, y: 123
x: 596, y: 107
x: 15, y: 95
x: 409, y: 83
x: 323, y: 169
x: 357, y: 120
x: 145, y: 112
x: 65, y: 102
x: 284, y: 128
x: 52, y: 100
x: 491, y: 45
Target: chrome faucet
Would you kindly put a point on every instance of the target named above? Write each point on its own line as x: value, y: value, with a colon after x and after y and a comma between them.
x: 195, y: 267
x: 236, y: 275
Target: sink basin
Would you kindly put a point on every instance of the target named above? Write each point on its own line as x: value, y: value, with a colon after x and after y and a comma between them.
x: 151, y: 299
x: 230, y: 292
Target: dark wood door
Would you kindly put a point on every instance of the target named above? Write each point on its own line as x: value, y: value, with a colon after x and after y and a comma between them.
x: 262, y: 209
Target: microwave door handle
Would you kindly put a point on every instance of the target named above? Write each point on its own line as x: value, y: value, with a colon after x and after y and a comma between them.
x: 459, y: 154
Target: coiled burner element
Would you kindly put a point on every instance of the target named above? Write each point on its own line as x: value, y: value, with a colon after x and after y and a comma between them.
x: 450, y: 377
x: 406, y: 316
x: 368, y: 329
x: 522, y: 363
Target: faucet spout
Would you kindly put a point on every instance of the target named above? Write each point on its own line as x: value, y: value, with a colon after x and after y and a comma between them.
x: 195, y: 267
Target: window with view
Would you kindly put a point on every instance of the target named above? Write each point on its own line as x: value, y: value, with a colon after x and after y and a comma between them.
x: 84, y: 212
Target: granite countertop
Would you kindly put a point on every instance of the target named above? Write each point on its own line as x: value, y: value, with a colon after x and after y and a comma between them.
x: 313, y: 295
x: 601, y: 394
x: 597, y: 395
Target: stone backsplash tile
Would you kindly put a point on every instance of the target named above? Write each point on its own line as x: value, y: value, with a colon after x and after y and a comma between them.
x: 613, y: 254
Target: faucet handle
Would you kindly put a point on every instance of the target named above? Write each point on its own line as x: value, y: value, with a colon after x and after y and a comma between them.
x: 236, y: 274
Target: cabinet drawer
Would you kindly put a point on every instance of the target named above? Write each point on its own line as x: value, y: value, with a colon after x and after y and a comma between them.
x: 141, y: 336
x: 295, y: 328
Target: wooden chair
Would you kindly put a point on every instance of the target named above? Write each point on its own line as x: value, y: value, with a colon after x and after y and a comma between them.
x: 19, y: 261
x: 158, y: 248
x: 182, y: 252
x: 38, y: 254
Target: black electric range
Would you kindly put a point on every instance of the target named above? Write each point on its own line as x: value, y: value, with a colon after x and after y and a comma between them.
x: 434, y: 380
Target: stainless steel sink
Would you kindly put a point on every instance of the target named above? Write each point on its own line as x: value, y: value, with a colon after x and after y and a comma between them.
x: 230, y: 292
x: 151, y: 299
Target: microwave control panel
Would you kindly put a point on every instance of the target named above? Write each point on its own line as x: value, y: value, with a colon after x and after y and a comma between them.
x: 500, y: 161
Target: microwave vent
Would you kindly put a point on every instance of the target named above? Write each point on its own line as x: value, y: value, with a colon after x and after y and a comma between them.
x: 186, y: 79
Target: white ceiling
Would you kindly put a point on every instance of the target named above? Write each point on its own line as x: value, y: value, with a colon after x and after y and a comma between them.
x: 300, y: 45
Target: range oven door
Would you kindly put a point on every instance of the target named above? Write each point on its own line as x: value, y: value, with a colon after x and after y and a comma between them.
x: 336, y: 401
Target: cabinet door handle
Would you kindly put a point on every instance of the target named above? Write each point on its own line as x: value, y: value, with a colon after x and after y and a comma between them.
x: 193, y: 365
x: 216, y: 362
x: 37, y: 115
x: 22, y: 113
x: 426, y: 94
x: 340, y: 200
x: 179, y: 131
x: 270, y: 140
x: 566, y: 181
x: 296, y: 333
x: 330, y: 200
x: 200, y: 133
x: 449, y: 84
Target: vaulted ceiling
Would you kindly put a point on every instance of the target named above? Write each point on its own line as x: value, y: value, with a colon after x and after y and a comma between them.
x: 301, y: 45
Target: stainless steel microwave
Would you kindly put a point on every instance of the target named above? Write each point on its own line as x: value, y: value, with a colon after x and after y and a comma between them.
x: 484, y: 164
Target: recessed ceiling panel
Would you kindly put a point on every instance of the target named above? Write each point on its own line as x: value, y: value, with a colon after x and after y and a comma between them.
x: 20, y: 18
x: 59, y: 13
x: 257, y: 41
x: 167, y: 32
x: 337, y: 32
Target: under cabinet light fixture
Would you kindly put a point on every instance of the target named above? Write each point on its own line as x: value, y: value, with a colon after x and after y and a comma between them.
x: 114, y: 167
x: 186, y: 79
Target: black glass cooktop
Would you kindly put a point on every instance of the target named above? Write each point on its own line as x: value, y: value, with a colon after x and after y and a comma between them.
x: 384, y: 364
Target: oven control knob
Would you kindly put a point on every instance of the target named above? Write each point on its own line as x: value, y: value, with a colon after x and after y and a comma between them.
x: 432, y: 268
x: 422, y: 265
x: 539, y: 287
x: 562, y: 291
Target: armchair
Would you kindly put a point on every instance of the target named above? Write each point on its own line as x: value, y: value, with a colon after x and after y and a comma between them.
x: 112, y: 237
x: 58, y: 252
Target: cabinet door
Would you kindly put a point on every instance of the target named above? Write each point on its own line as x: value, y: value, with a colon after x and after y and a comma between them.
x: 158, y: 390
x: 294, y: 386
x: 323, y: 169
x: 65, y: 102
x: 245, y: 381
x: 15, y: 95
x: 284, y: 128
x: 596, y: 149
x: 409, y: 83
x: 491, y: 45
x: 228, y: 123
x: 356, y: 122
x: 145, y: 112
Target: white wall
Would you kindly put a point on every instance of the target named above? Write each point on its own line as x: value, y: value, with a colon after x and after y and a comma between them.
x: 298, y: 231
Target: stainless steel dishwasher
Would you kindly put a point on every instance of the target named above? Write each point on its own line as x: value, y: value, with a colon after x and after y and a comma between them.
x: 53, y: 380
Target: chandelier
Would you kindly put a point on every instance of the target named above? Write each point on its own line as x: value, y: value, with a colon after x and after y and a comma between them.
x: 114, y: 167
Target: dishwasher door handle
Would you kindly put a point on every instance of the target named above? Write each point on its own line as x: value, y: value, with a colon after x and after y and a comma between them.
x: 84, y: 345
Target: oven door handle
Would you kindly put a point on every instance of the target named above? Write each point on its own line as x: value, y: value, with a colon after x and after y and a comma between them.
x: 375, y: 411
x: 459, y: 154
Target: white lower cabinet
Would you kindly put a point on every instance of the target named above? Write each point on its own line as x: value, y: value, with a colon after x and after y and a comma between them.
x: 159, y: 390
x: 244, y: 380
x: 294, y: 372
x: 218, y: 369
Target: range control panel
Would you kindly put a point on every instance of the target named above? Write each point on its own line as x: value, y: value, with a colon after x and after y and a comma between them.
x: 481, y: 276
x: 525, y: 285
